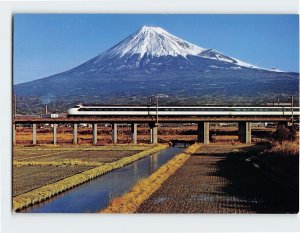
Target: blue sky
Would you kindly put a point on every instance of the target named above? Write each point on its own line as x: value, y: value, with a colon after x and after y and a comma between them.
x: 48, y: 44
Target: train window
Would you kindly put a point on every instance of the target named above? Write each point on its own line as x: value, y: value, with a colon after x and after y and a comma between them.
x: 85, y: 109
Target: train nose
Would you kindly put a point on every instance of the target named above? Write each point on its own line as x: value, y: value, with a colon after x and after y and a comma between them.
x: 71, y: 111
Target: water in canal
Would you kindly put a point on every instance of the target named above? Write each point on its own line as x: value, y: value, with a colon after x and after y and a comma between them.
x: 96, y: 194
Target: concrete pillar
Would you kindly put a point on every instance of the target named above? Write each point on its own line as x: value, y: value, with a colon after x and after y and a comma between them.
x: 244, y: 132
x: 115, y: 133
x: 54, y: 134
x: 248, y: 132
x: 203, y: 132
x: 241, y: 131
x: 75, y: 133
x: 134, y: 133
x: 151, y: 135
x: 14, y: 134
x: 33, y: 134
x: 95, y: 129
x: 154, y: 135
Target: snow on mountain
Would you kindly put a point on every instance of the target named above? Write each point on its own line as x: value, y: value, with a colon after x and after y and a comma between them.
x: 212, y: 54
x: 156, y: 42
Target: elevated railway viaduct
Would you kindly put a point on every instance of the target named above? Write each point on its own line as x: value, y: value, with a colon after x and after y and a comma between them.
x: 244, y: 125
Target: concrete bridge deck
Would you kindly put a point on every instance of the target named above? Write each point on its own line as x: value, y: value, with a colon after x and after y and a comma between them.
x: 142, y: 119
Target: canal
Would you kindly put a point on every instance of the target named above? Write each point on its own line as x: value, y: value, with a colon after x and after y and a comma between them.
x: 95, y: 195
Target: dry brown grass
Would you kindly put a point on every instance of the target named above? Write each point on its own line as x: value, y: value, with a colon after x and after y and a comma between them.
x: 285, y: 148
x: 221, y: 138
x: 58, y: 148
x: 282, y: 160
x: 67, y: 162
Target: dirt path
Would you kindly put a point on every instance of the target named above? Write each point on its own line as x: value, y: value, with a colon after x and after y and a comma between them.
x: 218, y: 179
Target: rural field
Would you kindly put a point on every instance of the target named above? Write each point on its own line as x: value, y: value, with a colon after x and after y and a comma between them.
x: 223, y: 177
x: 35, y: 167
x: 38, y: 167
x: 220, y: 178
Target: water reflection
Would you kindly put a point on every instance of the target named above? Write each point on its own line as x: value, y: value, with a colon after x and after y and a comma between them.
x: 96, y: 194
x: 153, y: 162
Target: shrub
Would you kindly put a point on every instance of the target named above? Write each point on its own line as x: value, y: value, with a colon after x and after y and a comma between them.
x: 284, y: 133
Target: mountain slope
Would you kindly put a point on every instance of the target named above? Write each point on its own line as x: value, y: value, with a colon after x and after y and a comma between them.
x: 152, y: 61
x: 142, y: 49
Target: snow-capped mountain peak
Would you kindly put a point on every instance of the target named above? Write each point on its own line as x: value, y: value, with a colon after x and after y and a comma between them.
x: 155, y: 42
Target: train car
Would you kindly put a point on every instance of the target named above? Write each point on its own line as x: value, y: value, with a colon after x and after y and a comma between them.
x: 81, y: 110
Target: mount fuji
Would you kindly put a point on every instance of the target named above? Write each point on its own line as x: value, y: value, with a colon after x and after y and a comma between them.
x: 153, y: 61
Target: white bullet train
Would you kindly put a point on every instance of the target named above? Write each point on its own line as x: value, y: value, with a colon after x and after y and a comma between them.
x: 80, y: 110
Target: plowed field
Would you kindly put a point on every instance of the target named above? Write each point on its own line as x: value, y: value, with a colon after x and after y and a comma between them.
x: 219, y: 179
x: 29, y: 176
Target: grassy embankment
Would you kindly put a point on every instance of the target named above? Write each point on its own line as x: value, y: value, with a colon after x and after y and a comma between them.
x: 48, y: 191
x: 281, y: 159
x: 129, y: 202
